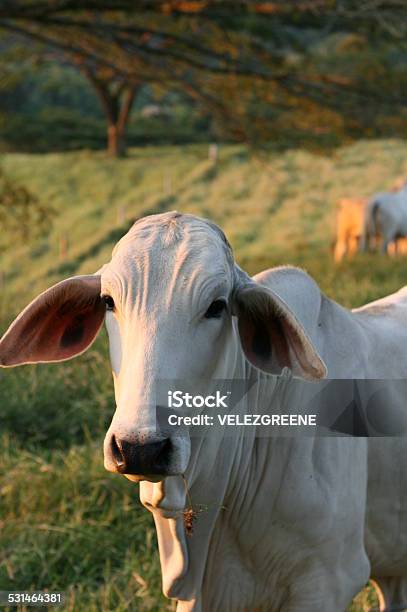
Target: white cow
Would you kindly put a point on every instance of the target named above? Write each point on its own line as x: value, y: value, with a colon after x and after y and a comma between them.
x: 386, y: 215
x: 288, y: 522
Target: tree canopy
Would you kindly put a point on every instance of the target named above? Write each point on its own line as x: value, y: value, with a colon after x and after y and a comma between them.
x: 264, y: 70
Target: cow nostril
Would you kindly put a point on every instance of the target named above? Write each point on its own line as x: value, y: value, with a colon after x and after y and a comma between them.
x: 164, y: 450
x: 118, y: 453
x: 141, y: 458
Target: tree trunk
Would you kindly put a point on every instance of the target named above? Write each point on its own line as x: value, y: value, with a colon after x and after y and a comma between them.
x: 116, y: 131
x: 124, y: 114
x: 116, y: 104
x: 116, y: 145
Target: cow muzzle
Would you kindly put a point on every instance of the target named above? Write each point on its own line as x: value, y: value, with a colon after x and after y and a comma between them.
x: 147, y: 460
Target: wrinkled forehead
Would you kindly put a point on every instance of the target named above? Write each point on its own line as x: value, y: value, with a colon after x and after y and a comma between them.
x: 170, y: 248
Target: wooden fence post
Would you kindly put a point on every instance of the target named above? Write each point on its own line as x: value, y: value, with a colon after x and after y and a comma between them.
x: 167, y: 184
x: 213, y: 153
x: 63, y: 247
x: 121, y: 214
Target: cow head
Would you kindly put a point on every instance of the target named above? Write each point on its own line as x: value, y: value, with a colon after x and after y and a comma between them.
x: 170, y: 296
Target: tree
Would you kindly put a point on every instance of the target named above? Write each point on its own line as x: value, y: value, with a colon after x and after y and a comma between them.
x: 220, y: 53
x: 116, y: 97
x: 116, y: 94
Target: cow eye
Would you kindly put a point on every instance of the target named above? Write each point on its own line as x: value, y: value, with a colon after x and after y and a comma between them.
x: 215, y: 309
x: 108, y: 300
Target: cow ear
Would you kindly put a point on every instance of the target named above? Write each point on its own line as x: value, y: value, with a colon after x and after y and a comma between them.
x: 271, y: 336
x: 59, y: 324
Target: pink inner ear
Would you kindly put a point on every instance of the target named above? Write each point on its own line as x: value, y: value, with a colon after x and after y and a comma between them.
x: 62, y: 336
x: 264, y: 343
x: 60, y: 323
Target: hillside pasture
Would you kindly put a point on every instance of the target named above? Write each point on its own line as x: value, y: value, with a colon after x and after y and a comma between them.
x: 66, y: 524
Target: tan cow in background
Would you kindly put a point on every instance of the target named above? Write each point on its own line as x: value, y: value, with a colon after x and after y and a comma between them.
x: 350, y: 226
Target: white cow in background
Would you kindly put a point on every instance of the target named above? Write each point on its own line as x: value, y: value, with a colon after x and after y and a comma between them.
x: 386, y: 215
x: 291, y: 523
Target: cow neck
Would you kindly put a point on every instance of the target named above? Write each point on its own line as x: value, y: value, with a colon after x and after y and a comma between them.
x: 183, y: 557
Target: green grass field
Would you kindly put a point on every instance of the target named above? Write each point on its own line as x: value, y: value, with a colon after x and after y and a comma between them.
x: 65, y: 522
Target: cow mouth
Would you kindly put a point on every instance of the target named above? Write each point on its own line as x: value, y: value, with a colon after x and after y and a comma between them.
x: 148, y: 477
x: 166, y: 498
